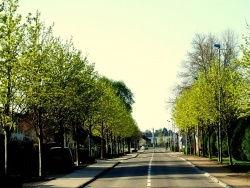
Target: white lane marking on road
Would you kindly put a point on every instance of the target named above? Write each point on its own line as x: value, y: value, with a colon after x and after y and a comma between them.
x: 149, y: 171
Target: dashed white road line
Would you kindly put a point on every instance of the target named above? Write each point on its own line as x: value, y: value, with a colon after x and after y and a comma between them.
x: 149, y: 172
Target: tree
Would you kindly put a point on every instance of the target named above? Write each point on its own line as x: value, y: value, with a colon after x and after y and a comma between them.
x: 112, y: 121
x: 35, y: 73
x: 244, y: 65
x: 161, y: 142
x: 202, y: 69
x: 231, y: 96
x: 199, y: 59
x: 11, y: 39
x: 124, y: 93
x: 83, y: 101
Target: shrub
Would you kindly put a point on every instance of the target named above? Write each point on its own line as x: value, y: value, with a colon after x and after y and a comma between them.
x: 246, y: 143
x: 237, y: 139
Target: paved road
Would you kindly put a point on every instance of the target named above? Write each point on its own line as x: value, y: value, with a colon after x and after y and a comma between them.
x: 154, y: 168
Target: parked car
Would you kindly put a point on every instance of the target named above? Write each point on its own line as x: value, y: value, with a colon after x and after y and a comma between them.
x: 61, y: 160
x: 144, y: 147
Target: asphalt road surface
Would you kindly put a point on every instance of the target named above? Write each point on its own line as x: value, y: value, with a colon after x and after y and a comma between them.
x: 153, y: 168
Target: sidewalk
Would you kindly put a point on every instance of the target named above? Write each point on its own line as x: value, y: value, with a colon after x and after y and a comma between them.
x: 226, y: 175
x: 82, y: 176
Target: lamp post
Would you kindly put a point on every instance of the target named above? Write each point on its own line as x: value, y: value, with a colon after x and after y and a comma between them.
x: 168, y: 134
x: 217, y: 45
x: 173, y: 133
x: 153, y: 135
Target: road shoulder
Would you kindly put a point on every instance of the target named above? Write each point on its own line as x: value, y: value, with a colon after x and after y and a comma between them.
x: 224, y: 174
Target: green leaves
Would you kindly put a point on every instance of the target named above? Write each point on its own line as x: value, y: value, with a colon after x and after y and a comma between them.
x: 39, y: 71
x: 199, y: 103
x: 109, y: 112
x: 10, y: 41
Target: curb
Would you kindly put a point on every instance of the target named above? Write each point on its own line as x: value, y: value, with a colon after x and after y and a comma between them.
x: 98, y: 175
x: 101, y: 173
x: 216, y: 180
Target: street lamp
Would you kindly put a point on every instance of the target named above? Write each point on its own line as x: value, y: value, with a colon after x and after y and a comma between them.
x: 174, y: 135
x: 153, y: 135
x: 168, y: 134
x: 217, y: 45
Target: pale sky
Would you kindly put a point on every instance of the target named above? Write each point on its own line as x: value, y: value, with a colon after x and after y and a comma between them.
x: 140, y: 42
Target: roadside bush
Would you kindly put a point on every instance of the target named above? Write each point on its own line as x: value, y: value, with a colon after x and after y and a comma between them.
x: 184, y: 150
x: 213, y: 144
x: 246, y: 143
x: 237, y: 139
x: 224, y: 146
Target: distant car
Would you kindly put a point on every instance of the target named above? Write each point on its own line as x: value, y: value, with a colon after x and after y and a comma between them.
x: 60, y: 160
x: 146, y: 147
x: 142, y: 148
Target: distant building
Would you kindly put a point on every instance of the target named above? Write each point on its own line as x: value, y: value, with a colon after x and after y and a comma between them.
x: 145, y: 140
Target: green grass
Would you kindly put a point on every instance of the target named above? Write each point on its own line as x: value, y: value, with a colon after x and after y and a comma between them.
x: 236, y: 162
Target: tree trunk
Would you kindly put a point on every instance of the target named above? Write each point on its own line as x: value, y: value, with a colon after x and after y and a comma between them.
x: 123, y: 146
x: 102, y: 143
x: 77, y: 143
x: 186, y: 148
x: 190, y: 145
x: 129, y: 148
x: 90, y: 145
x: 194, y: 144
x: 107, y: 145
x: 118, y: 145
x: 6, y: 145
x: 189, y: 138
x: 40, y: 137
x: 209, y: 144
x: 111, y: 145
x: 220, y: 136
x: 61, y: 131
x: 218, y: 145
x: 204, y: 150
x: 77, y: 153
x: 114, y: 145
x: 198, y: 142
x: 229, y: 147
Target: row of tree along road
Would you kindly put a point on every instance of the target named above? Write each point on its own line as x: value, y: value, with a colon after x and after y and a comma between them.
x: 51, y: 92
x: 212, y: 102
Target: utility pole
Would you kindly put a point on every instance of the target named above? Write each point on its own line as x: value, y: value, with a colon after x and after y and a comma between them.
x: 153, y: 137
x: 219, y: 108
x: 168, y: 134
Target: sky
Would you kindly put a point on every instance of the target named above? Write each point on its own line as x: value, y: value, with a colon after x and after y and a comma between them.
x: 140, y: 42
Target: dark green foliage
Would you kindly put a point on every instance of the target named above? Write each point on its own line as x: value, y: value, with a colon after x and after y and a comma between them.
x: 246, y: 142
x: 206, y: 145
x: 165, y: 132
x: 124, y: 93
x: 157, y: 132
x: 224, y: 146
x: 237, y: 151
x: 214, y: 149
